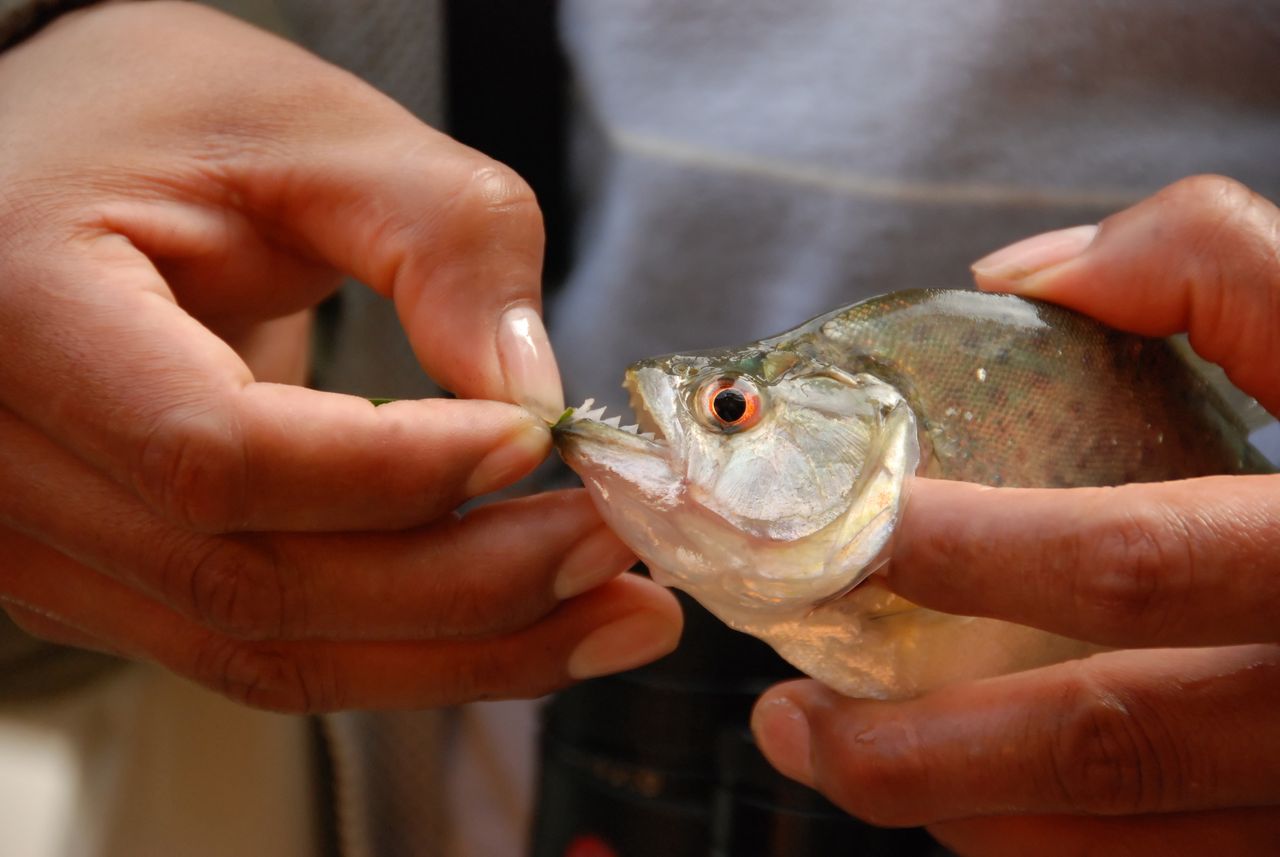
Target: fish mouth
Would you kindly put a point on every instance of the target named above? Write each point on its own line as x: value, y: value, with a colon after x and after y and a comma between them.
x: 646, y: 434
x: 588, y: 422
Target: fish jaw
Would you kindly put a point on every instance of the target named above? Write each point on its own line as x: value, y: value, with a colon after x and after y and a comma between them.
x: 639, y: 486
x: 617, y: 464
x: 647, y: 503
x: 631, y: 483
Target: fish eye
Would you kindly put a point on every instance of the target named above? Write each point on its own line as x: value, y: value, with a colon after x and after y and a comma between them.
x: 731, y: 403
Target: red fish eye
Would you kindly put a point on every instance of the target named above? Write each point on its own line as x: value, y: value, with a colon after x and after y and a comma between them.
x: 732, y: 403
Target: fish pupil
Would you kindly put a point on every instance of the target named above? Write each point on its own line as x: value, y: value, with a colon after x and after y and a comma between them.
x: 729, y: 405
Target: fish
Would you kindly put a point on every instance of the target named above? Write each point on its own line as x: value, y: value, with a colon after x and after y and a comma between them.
x: 767, y: 480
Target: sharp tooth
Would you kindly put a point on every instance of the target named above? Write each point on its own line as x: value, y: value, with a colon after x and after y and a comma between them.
x: 613, y: 421
x: 593, y: 415
x: 631, y: 429
x: 586, y: 404
x: 647, y: 435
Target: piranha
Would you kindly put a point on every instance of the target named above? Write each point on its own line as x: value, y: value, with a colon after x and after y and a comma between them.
x: 766, y: 480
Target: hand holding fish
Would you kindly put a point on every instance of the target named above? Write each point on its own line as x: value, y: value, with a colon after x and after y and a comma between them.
x: 1151, y: 750
x: 177, y: 190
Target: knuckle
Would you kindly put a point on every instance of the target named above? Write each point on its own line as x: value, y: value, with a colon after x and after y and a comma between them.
x: 879, y: 773
x: 482, y: 676
x: 1228, y: 224
x: 495, y: 187
x: 1129, y: 572
x: 482, y: 206
x: 489, y: 599
x: 460, y: 609
x: 1103, y: 758
x: 266, y: 676
x: 491, y: 672
x: 1209, y: 192
x: 1230, y: 237
x: 235, y: 587
x: 492, y: 191
x: 191, y: 468
x: 481, y: 604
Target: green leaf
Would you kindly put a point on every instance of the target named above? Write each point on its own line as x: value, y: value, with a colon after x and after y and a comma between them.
x: 377, y: 402
x: 564, y: 418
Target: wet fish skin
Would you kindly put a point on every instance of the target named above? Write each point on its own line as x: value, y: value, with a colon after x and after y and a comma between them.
x: 983, y: 388
x: 1023, y: 393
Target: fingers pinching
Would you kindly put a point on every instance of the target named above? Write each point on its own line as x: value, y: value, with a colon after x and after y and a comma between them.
x: 1202, y: 256
x: 362, y: 187
x: 496, y: 569
x: 293, y: 548
x: 457, y: 245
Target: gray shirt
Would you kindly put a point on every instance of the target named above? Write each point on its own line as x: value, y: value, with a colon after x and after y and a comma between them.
x: 746, y: 164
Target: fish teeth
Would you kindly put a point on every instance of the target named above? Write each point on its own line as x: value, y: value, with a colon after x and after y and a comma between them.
x: 588, y: 411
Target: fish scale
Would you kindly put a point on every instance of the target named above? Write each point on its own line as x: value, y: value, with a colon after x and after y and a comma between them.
x: 1086, y: 405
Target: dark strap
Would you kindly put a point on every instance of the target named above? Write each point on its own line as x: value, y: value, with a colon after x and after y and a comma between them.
x: 507, y: 95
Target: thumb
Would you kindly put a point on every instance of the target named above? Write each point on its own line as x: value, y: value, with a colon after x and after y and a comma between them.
x: 250, y: 195
x: 1202, y: 256
x: 453, y: 237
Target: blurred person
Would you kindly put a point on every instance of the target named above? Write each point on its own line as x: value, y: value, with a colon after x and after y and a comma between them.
x: 737, y: 168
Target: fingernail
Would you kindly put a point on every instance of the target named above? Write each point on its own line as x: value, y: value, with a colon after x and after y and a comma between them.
x: 1035, y: 254
x: 629, y: 642
x: 592, y: 561
x: 782, y: 731
x: 517, y: 455
x: 528, y: 364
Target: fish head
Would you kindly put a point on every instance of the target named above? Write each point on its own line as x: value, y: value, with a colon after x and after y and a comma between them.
x: 757, y: 479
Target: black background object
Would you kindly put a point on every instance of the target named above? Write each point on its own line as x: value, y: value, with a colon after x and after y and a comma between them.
x: 660, y: 762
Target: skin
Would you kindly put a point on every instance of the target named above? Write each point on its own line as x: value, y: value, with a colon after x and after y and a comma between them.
x: 178, y: 189
x: 1170, y: 751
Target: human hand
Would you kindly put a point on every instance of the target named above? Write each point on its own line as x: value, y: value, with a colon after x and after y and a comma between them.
x: 175, y: 187
x: 1169, y: 751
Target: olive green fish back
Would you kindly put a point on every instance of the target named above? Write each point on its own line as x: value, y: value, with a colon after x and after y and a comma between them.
x: 1022, y: 393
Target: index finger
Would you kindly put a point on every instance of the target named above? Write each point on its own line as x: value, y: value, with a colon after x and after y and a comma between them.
x: 99, y: 357
x: 1191, y: 562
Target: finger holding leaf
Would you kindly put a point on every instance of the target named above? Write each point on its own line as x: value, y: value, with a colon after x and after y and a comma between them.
x: 161, y: 497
